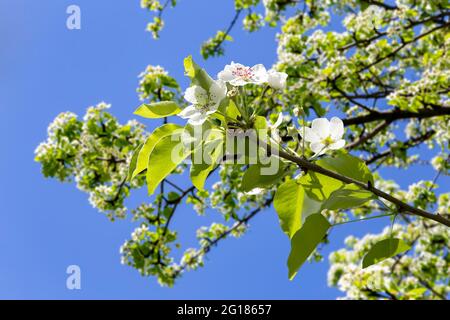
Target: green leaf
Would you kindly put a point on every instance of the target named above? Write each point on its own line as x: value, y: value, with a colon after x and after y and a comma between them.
x: 212, y: 150
x: 144, y: 153
x: 348, y: 197
x: 167, y: 154
x: 158, y: 109
x: 198, y: 134
x: 415, y: 293
x: 349, y: 166
x: 197, y: 75
x: 263, y: 175
x: 305, y: 241
x: 260, y: 123
x: 293, y: 205
x: 296, y: 200
x: 133, y: 162
x: 318, y: 186
x: 232, y: 111
x: 383, y: 250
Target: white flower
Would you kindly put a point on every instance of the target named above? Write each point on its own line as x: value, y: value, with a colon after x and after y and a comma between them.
x: 274, y: 129
x: 324, y: 135
x: 277, y: 80
x: 255, y: 192
x: 203, y: 103
x: 239, y: 75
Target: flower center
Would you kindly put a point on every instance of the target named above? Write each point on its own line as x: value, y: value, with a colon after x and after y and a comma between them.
x: 327, y: 141
x: 203, y: 107
x: 245, y: 73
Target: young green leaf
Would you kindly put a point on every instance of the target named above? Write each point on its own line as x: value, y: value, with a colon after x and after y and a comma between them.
x: 134, y: 161
x: 212, y: 150
x: 158, y: 109
x: 350, y: 196
x: 260, y: 123
x: 383, y: 250
x: 143, y: 153
x: 415, y: 293
x: 305, y: 241
x: 167, y: 154
x: 263, y: 175
x: 197, y: 75
x: 349, y: 166
x: 319, y: 187
x: 232, y: 111
x: 293, y: 205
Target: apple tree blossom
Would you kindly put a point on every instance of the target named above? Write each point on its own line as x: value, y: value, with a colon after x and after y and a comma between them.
x: 337, y: 108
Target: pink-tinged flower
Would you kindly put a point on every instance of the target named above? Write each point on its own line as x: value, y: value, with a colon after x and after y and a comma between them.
x: 324, y: 135
x: 239, y: 75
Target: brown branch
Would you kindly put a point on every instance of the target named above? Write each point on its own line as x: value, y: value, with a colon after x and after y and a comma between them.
x: 350, y: 98
x: 227, y: 32
x: 402, y: 206
x: 380, y: 127
x: 241, y: 222
x: 382, y: 34
x: 404, y: 44
x: 405, y: 145
x: 397, y: 114
x: 380, y: 4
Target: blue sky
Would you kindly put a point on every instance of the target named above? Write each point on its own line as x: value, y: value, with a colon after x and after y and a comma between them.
x: 46, y: 226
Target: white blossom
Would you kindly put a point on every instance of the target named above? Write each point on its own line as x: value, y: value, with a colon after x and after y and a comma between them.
x: 203, y: 102
x: 274, y: 133
x: 324, y: 135
x: 239, y: 75
x: 255, y: 192
x: 276, y: 80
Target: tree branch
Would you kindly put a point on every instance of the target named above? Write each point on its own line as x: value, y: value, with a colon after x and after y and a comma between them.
x: 402, y: 206
x: 380, y: 127
x: 243, y: 221
x: 406, y: 145
x: 227, y: 32
x: 404, y: 44
x: 397, y: 114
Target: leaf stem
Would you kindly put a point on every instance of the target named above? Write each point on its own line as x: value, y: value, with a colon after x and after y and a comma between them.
x: 364, y: 219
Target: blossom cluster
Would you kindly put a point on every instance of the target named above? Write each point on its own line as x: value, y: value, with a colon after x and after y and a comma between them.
x: 206, y: 101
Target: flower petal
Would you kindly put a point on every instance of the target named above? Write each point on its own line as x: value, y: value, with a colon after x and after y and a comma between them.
x: 321, y: 127
x: 337, y: 145
x: 317, y: 147
x: 275, y: 136
x: 196, y: 95
x: 226, y: 74
x: 277, y: 80
x: 189, y: 95
x: 238, y: 82
x: 310, y: 135
x: 212, y: 108
x: 188, y: 112
x: 259, y: 74
x: 198, y: 119
x: 336, y: 128
x: 278, y: 122
x: 255, y: 191
x: 218, y: 91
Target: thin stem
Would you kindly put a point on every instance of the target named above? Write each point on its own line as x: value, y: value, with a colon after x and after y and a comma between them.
x: 227, y: 32
x: 363, y: 219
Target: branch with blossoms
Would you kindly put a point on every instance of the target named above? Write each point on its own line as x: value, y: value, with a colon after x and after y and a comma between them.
x: 405, y: 90
x: 224, y: 128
